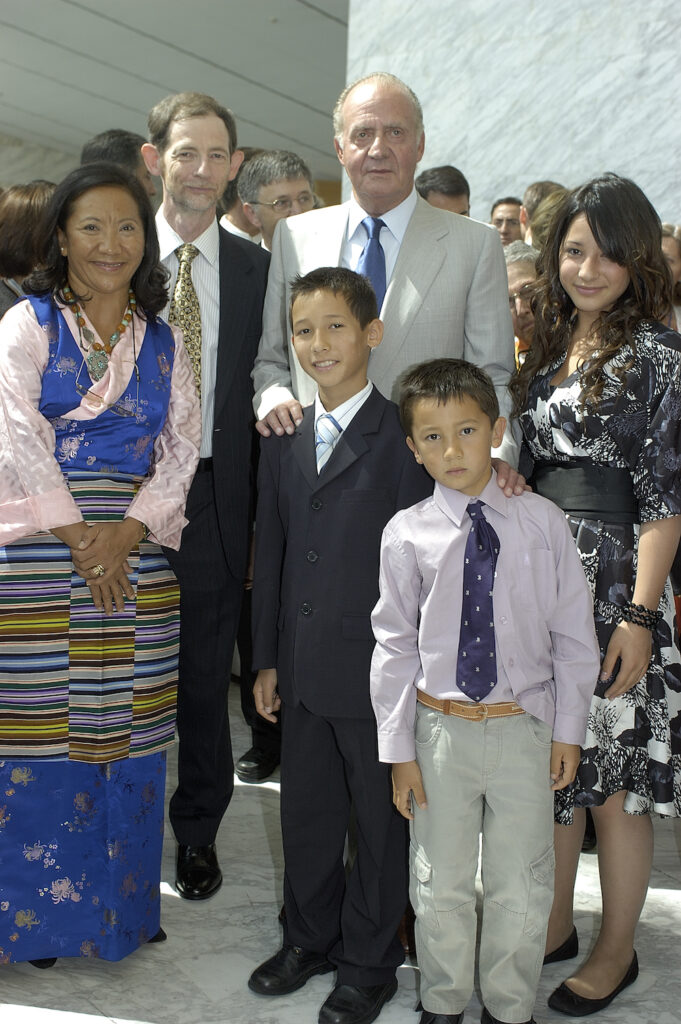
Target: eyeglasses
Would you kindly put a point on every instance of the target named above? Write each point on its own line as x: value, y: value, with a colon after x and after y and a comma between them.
x: 524, y: 295
x: 305, y: 200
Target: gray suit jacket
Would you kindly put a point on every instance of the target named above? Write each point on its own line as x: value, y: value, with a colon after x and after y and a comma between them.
x: 448, y: 296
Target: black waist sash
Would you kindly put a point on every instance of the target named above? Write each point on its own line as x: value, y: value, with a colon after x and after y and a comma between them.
x: 588, y: 491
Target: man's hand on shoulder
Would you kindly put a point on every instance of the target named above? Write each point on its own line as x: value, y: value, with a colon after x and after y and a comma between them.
x: 509, y: 479
x: 283, y: 419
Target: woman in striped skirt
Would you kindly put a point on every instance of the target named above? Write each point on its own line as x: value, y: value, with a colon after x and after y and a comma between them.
x: 99, y: 435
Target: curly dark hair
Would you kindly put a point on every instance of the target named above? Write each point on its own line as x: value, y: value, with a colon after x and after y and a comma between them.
x: 149, y: 282
x: 628, y: 231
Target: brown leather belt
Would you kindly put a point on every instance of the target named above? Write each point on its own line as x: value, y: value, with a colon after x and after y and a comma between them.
x: 467, y: 709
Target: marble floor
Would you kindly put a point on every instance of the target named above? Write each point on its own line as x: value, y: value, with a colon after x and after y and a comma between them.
x: 199, y: 975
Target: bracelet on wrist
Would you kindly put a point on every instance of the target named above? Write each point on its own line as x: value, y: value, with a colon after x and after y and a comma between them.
x: 639, y: 615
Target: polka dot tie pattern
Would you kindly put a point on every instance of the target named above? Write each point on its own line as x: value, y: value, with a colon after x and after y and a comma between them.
x: 185, y: 311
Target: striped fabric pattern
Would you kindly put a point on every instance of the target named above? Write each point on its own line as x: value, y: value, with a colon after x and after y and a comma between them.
x: 74, y: 682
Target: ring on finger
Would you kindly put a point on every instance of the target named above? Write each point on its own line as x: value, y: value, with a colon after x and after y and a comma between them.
x: 98, y: 570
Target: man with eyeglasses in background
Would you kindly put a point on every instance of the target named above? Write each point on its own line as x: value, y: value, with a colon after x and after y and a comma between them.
x: 272, y: 186
x: 521, y: 267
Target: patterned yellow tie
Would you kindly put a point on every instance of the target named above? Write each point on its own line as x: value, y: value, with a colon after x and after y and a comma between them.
x: 185, y: 310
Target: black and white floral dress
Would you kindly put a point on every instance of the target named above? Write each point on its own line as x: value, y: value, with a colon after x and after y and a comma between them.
x: 633, y: 742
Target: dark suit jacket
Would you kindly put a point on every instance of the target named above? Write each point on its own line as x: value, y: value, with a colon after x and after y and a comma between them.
x: 243, y: 279
x: 317, y: 555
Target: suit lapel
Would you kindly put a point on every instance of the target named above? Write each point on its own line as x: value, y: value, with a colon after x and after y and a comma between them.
x: 419, y: 261
x: 303, y: 448
x: 235, y: 301
x: 353, y: 442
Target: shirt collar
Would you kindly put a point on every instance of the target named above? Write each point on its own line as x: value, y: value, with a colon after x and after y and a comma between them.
x: 454, y: 503
x: 396, y: 220
x: 344, y: 413
x: 208, y: 243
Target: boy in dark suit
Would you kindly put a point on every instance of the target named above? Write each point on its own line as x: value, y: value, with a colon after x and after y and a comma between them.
x: 325, y: 494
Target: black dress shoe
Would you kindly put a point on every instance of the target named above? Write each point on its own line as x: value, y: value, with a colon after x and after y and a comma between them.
x: 160, y: 936
x: 566, y: 951
x: 566, y: 1001
x: 487, y: 1018
x: 44, y: 963
x: 256, y: 765
x: 287, y: 971
x: 440, y: 1018
x: 356, y: 1004
x: 198, y: 874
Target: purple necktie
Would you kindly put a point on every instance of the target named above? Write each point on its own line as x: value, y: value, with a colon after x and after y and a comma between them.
x: 372, y: 258
x: 476, y: 667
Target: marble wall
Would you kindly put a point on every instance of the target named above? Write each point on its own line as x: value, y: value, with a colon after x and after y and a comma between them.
x: 518, y: 90
x: 22, y: 161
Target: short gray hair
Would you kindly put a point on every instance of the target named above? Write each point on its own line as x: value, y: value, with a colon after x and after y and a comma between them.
x: 520, y: 252
x: 272, y: 165
x: 385, y: 79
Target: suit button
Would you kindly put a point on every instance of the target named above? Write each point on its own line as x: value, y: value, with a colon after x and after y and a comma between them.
x: 312, y: 556
x: 316, y: 504
x: 306, y: 609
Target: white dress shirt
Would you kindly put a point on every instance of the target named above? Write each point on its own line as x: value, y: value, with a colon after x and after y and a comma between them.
x: 226, y: 223
x: 206, y: 280
x: 390, y: 236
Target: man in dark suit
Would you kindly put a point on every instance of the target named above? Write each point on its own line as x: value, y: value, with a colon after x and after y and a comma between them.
x: 323, y: 501
x: 217, y: 284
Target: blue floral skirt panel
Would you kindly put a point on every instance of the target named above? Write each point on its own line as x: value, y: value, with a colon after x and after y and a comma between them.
x: 80, y: 856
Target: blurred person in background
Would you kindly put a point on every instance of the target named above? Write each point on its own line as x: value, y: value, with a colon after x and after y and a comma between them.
x: 22, y: 208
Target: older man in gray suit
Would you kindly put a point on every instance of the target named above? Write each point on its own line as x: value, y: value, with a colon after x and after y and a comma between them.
x: 444, y: 275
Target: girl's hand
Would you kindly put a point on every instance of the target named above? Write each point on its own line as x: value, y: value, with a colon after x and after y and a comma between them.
x: 633, y: 645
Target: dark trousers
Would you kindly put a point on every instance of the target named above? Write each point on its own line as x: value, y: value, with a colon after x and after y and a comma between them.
x: 210, y: 605
x: 327, y: 765
x: 265, y: 735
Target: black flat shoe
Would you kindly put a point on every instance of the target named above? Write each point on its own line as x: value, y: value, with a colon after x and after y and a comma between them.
x: 566, y: 1001
x: 256, y: 765
x: 568, y: 950
x: 197, y: 875
x: 160, y: 936
x: 440, y: 1018
x: 287, y: 971
x: 356, y: 1004
x: 47, y: 961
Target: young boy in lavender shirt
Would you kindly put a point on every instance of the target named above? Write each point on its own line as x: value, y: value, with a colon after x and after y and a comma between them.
x: 481, y: 680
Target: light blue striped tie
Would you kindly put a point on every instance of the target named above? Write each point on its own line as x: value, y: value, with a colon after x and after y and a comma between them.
x: 327, y: 432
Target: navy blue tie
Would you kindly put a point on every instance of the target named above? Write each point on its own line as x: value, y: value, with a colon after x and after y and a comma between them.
x: 372, y: 258
x: 476, y: 666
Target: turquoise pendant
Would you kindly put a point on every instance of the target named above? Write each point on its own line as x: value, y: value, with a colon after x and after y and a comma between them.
x: 97, y: 363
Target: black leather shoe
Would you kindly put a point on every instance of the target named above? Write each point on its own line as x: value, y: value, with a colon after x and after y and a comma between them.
x: 44, y: 963
x: 160, y: 936
x: 256, y: 765
x: 568, y: 950
x: 356, y: 1004
x: 487, y: 1018
x: 287, y: 971
x: 566, y: 1001
x: 197, y: 875
x: 440, y: 1018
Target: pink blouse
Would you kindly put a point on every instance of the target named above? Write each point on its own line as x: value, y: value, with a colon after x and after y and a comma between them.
x: 34, y: 494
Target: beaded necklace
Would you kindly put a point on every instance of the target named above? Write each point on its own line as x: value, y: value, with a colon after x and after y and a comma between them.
x: 98, y: 352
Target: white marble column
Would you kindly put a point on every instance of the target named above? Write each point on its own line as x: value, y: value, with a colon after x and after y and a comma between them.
x: 518, y: 90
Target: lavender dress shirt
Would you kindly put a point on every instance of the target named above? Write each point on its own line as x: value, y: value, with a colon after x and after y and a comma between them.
x: 547, y: 655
